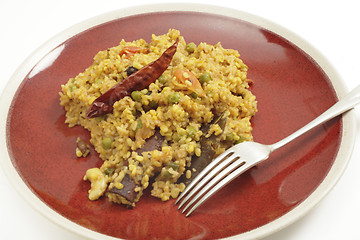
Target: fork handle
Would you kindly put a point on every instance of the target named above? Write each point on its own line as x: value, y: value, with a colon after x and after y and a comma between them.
x: 343, y: 105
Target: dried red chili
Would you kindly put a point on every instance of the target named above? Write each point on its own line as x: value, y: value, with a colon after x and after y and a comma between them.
x: 136, y: 81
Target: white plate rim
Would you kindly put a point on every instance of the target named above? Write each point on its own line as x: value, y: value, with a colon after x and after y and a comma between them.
x: 335, y: 173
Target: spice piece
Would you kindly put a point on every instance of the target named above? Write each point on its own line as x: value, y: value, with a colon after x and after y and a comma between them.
x: 128, y: 190
x: 82, y: 149
x: 131, y: 50
x: 188, y: 80
x: 131, y: 70
x: 136, y: 81
x: 154, y: 142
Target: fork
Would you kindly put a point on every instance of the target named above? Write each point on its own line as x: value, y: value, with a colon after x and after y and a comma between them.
x: 243, y: 156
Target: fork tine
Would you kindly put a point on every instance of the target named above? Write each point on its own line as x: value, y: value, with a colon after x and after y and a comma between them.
x: 220, y: 174
x: 202, y: 180
x: 208, y: 168
x: 234, y: 174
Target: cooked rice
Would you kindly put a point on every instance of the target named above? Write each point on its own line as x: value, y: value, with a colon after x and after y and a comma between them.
x: 133, y: 122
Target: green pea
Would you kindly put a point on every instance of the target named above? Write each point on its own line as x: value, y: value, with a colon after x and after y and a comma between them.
x: 176, y: 137
x: 174, y: 98
x: 139, y: 124
x: 106, y: 143
x: 205, y: 77
x: 72, y: 88
x: 191, y: 131
x: 162, y: 79
x: 190, y: 47
x: 136, y: 95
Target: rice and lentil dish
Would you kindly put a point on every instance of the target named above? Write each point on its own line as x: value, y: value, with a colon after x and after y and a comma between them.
x: 176, y: 112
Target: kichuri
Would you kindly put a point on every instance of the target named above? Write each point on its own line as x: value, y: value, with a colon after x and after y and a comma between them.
x: 153, y: 135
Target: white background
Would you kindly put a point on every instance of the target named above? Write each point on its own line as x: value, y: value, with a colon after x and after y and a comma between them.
x: 331, y: 26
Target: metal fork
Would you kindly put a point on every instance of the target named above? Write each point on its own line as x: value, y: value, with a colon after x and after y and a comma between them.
x: 243, y: 156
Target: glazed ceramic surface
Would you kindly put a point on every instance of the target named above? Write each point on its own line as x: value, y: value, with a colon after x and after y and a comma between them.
x: 291, y: 89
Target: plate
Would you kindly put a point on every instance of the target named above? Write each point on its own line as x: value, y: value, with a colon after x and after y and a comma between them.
x: 293, y: 84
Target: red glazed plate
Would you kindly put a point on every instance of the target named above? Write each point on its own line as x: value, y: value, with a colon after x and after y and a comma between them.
x: 293, y: 84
